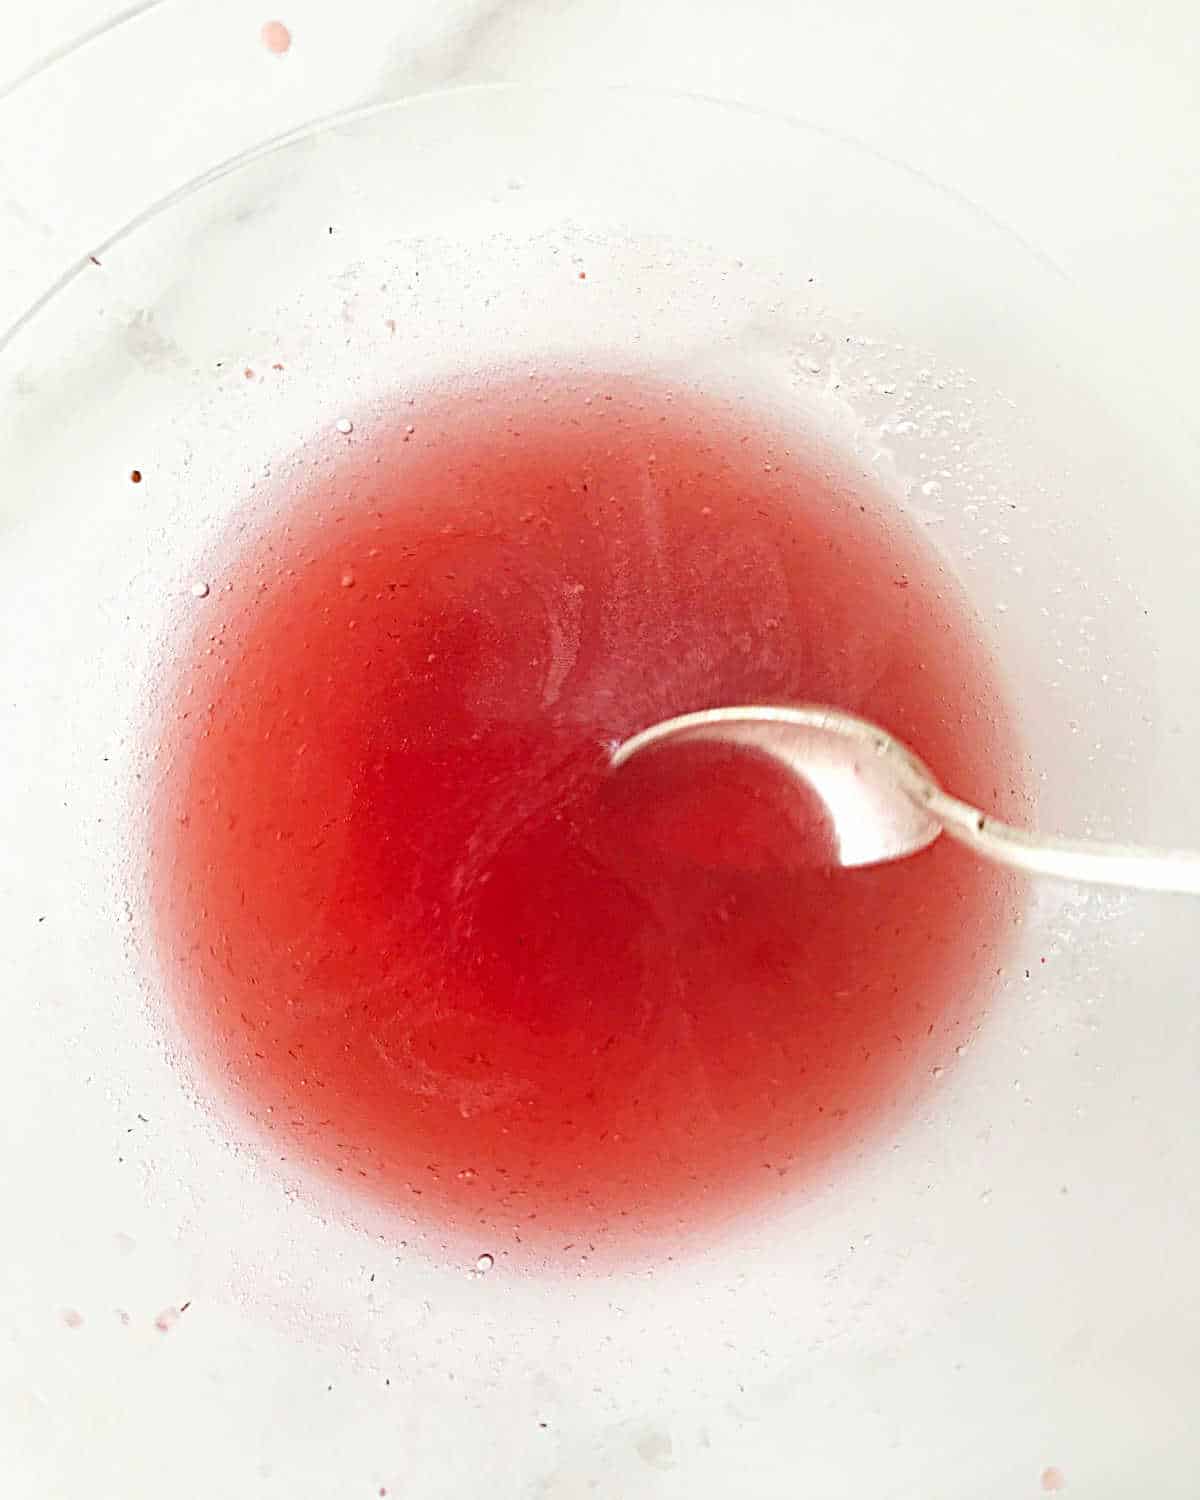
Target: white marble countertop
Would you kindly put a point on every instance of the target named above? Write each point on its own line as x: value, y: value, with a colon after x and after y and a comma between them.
x: 1074, y: 122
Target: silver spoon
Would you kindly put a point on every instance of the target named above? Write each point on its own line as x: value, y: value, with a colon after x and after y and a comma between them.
x: 885, y: 804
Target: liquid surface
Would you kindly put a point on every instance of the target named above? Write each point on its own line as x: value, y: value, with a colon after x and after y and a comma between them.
x: 418, y: 934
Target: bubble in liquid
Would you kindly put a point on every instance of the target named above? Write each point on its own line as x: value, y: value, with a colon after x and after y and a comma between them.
x: 484, y: 1263
x: 344, y: 425
x: 200, y: 590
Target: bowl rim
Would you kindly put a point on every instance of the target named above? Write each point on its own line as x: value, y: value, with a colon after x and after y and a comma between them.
x: 358, y: 113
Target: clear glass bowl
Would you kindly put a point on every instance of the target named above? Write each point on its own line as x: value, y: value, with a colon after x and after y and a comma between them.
x: 1003, y: 1286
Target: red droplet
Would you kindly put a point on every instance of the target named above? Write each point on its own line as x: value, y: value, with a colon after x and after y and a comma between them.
x: 276, y: 37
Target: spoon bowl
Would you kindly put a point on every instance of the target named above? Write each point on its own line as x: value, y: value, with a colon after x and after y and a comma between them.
x: 871, y: 785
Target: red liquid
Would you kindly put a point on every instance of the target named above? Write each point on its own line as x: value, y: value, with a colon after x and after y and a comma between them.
x: 423, y: 937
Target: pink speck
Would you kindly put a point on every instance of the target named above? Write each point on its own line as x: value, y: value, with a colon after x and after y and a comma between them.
x: 72, y: 1318
x: 123, y: 1317
x: 167, y: 1319
x: 248, y: 373
x: 276, y: 37
x: 1053, y: 1478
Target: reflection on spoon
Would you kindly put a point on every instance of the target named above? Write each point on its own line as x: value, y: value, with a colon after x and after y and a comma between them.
x: 884, y: 803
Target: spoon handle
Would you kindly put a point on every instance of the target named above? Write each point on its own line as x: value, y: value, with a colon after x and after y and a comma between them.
x: 1133, y: 866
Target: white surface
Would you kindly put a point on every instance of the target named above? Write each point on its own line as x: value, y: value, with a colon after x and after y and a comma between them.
x: 1078, y: 128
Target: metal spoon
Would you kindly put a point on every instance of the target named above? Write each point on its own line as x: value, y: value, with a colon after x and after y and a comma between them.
x: 885, y: 804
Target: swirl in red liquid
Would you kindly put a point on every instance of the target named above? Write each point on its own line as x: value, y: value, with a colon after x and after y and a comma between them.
x: 423, y: 938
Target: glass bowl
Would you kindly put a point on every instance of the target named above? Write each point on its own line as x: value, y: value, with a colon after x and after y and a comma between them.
x: 996, y: 1295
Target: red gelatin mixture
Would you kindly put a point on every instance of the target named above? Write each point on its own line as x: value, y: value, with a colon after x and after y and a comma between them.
x: 413, y: 927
